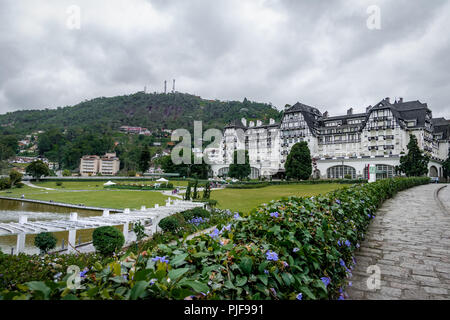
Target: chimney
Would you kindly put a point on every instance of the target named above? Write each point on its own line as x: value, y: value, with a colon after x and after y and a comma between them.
x: 258, y: 123
x: 325, y: 114
x: 368, y: 109
x: 400, y: 100
x: 350, y: 111
x: 271, y: 121
x: 251, y: 124
x: 387, y: 99
x: 244, y: 122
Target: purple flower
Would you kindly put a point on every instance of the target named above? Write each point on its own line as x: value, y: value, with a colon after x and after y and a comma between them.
x: 338, y: 201
x: 341, y: 297
x: 266, y: 272
x: 326, y: 281
x: 339, y: 243
x: 296, y: 250
x: 285, y: 264
x: 300, y: 296
x: 350, y: 284
x: 83, y: 273
x: 273, y: 291
x: 236, y: 216
x: 347, y: 243
x: 274, y: 214
x: 342, y: 263
x: 214, y: 234
x: 152, y: 282
x: 161, y: 259
x: 272, y: 256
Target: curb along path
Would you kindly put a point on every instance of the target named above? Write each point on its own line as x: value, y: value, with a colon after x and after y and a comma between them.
x: 409, y: 241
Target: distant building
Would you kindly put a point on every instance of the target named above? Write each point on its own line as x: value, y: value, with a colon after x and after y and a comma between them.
x: 89, y: 165
x: 135, y: 130
x: 107, y: 165
x: 341, y: 145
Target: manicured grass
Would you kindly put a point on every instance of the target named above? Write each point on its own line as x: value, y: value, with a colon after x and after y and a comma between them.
x: 95, y: 185
x: 246, y: 199
x: 100, y: 198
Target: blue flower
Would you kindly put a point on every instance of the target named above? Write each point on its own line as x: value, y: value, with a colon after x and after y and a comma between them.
x: 236, y: 216
x: 326, y: 281
x: 273, y: 291
x: 272, y: 256
x: 347, y: 243
x: 152, y: 282
x: 285, y: 264
x: 274, y: 214
x: 338, y: 201
x: 161, y: 259
x: 341, y: 297
x: 214, y: 234
x: 296, y: 250
x: 300, y: 296
x: 266, y: 272
x: 342, y: 263
x: 339, y: 243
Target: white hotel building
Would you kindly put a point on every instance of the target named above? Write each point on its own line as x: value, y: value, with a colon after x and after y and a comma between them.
x: 339, y: 145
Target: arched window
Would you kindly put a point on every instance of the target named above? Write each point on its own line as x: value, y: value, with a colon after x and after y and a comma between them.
x: 254, y: 173
x: 384, y: 171
x: 223, y: 172
x: 339, y: 172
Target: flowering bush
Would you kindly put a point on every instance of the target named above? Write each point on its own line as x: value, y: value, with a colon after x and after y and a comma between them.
x: 297, y: 248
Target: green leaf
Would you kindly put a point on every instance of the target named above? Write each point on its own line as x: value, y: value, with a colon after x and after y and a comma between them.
x: 174, y: 274
x: 264, y: 278
x: 197, y: 286
x: 240, y: 281
x: 306, y: 291
x: 138, y: 290
x: 70, y: 297
x: 40, y: 287
x: 179, y: 260
x: 246, y: 265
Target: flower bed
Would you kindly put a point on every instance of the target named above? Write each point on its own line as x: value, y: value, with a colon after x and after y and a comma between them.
x: 299, y: 248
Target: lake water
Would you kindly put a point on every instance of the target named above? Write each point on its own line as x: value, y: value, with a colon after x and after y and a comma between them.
x: 10, y: 211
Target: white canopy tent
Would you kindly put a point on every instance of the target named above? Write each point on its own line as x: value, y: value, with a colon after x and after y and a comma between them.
x: 162, y: 180
x: 109, y: 183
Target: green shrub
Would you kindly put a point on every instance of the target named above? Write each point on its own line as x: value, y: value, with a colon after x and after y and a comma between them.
x: 59, y: 183
x: 20, y: 185
x: 170, y: 224
x: 107, y: 240
x: 277, y: 251
x: 45, y: 241
x: 195, y: 213
x: 5, y: 183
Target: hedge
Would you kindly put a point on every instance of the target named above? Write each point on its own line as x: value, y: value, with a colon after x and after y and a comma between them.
x: 165, y: 186
x: 296, y: 248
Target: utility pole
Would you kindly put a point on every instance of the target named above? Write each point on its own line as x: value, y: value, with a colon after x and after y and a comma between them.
x: 165, y: 86
x: 173, y: 87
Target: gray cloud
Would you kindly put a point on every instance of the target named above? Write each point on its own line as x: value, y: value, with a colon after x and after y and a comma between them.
x: 317, y: 52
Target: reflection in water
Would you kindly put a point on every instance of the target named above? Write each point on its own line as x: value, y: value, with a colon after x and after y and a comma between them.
x: 10, y: 211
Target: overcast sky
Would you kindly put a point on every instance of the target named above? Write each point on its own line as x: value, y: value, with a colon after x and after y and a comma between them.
x: 320, y: 53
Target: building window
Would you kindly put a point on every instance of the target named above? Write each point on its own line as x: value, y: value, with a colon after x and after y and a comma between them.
x: 339, y: 172
x: 384, y: 171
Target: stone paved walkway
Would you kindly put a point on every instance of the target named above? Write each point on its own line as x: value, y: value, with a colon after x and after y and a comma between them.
x: 409, y: 241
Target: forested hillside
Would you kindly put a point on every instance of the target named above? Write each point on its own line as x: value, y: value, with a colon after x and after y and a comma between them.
x: 154, y: 111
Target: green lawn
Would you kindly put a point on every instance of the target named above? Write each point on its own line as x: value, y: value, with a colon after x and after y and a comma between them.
x: 94, y: 185
x: 234, y: 199
x: 246, y: 199
x: 100, y: 198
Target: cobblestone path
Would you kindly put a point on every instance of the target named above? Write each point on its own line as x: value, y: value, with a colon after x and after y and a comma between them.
x: 409, y: 240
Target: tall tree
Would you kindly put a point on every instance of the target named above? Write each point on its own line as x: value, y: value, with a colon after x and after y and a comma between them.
x: 298, y: 163
x: 237, y: 170
x: 37, y: 169
x: 446, y: 167
x: 15, y: 177
x: 415, y: 162
x: 144, y: 160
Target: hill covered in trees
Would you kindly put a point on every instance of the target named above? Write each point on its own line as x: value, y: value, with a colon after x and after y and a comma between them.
x: 153, y: 111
